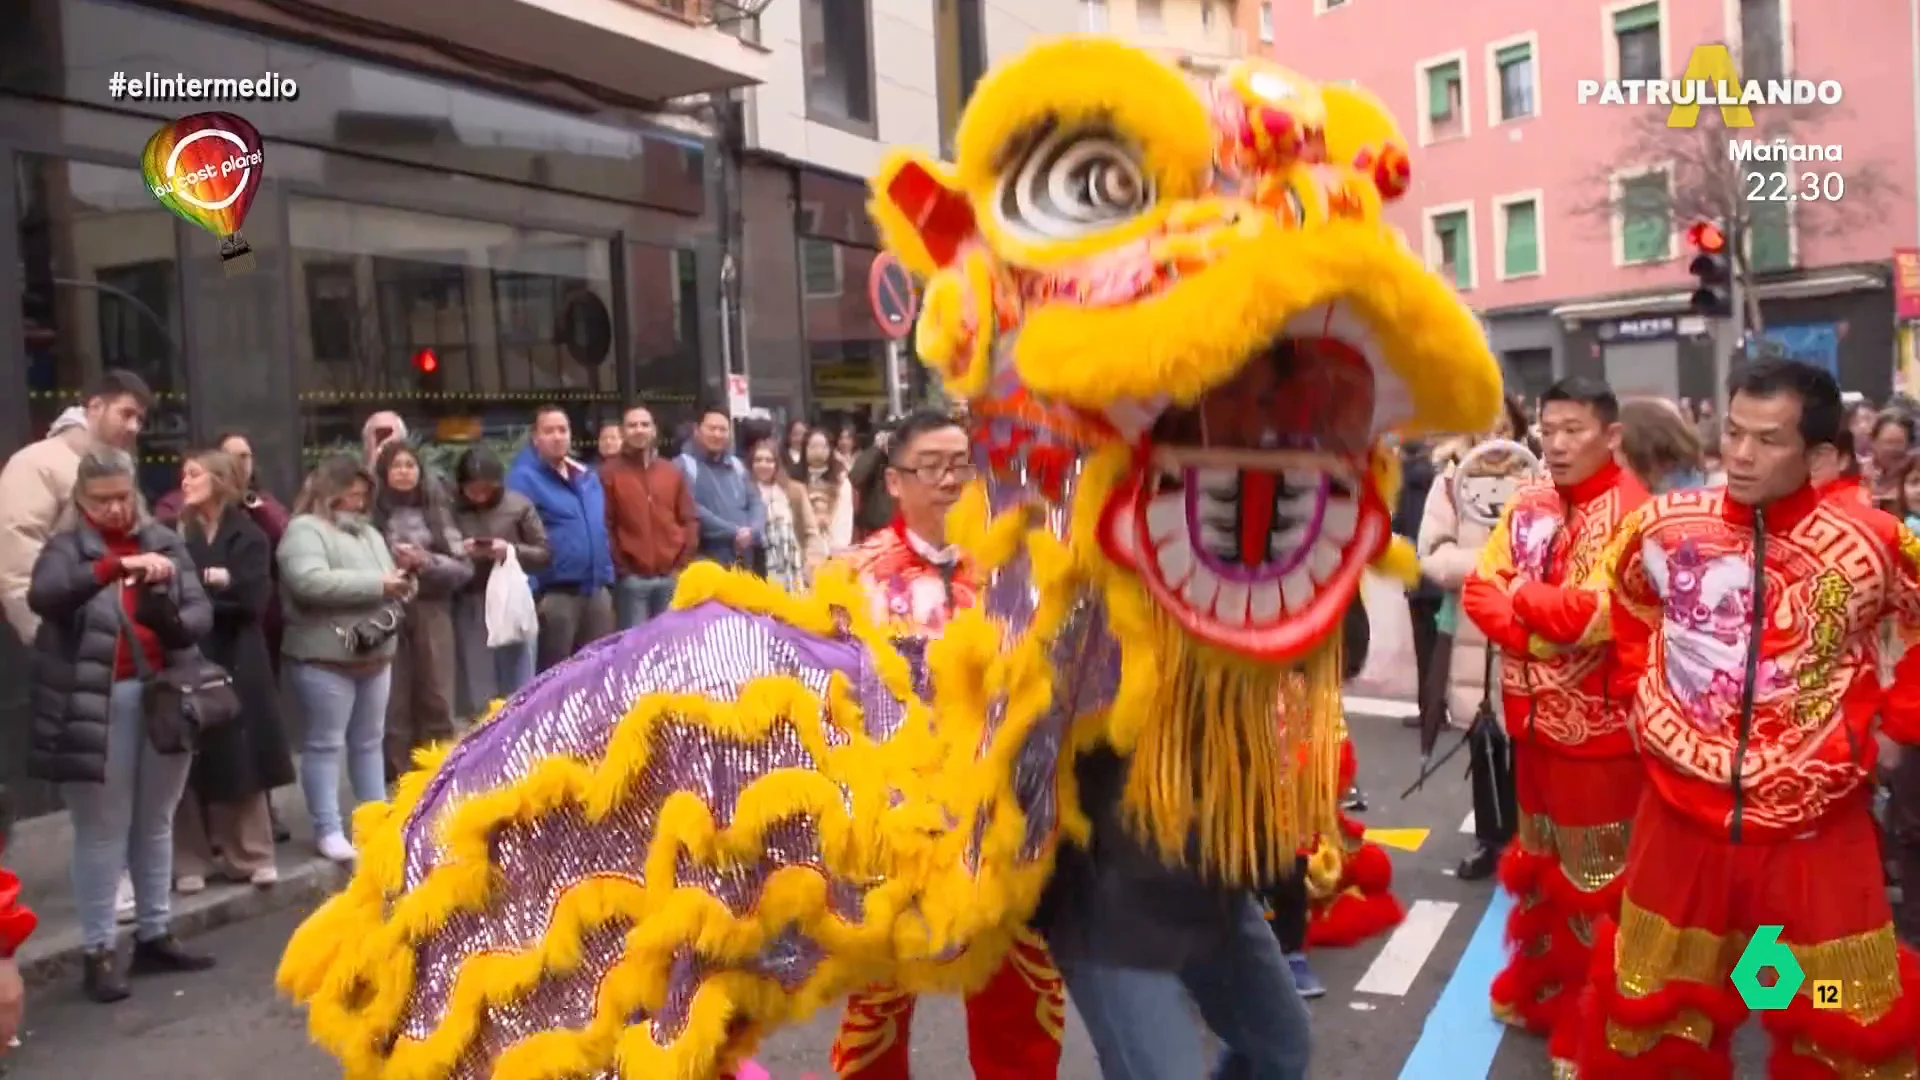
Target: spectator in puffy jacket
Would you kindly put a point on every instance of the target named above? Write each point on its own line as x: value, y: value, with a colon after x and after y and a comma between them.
x: 414, y: 514
x: 118, y: 597
x: 342, y: 596
x: 575, y: 589
x: 491, y: 519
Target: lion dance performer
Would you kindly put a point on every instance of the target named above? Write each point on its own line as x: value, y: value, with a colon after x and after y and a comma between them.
x: 1183, y: 331
x: 915, y: 582
x: 1748, y: 633
x: 1576, y: 781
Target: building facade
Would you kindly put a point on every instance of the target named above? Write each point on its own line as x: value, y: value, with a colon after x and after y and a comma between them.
x: 1562, y: 223
x: 1199, y: 35
x: 460, y: 216
x: 851, y: 78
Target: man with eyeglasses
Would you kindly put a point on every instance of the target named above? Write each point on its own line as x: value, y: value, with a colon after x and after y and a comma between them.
x: 915, y: 582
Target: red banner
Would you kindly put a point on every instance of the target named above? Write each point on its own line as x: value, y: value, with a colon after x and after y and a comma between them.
x: 1906, y: 284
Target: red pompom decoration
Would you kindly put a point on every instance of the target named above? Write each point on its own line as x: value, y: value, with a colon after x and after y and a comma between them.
x: 1392, y: 172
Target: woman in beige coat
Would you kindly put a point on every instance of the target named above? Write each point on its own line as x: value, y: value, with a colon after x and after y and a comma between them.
x: 1456, y: 523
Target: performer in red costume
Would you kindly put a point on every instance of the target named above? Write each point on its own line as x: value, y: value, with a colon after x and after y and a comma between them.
x: 1836, y: 475
x: 916, y: 583
x: 16, y: 925
x: 1747, y: 630
x: 1575, y: 776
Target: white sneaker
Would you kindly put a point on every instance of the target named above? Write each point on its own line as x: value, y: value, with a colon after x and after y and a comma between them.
x: 265, y: 877
x: 123, y: 907
x: 335, y: 846
x: 188, y: 884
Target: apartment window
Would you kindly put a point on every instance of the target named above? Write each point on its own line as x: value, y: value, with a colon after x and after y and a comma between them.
x: 1266, y: 22
x: 1095, y: 12
x: 1520, y: 237
x: 1453, y: 247
x: 1513, y: 68
x: 1150, y: 17
x: 1636, y: 37
x: 1646, y: 220
x: 835, y: 37
x: 1446, y: 100
x: 1762, y: 45
x: 820, y: 276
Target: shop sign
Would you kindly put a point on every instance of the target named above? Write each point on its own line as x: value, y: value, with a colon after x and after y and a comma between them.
x: 1651, y: 328
x: 1906, y: 284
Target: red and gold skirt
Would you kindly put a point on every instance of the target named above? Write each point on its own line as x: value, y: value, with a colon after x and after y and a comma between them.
x: 1349, y: 881
x: 1661, y: 999
x: 1563, y: 869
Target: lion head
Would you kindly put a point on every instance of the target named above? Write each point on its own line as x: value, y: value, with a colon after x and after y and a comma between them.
x: 1201, y: 273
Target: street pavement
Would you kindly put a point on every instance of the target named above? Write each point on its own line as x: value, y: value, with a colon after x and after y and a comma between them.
x: 1394, y: 1007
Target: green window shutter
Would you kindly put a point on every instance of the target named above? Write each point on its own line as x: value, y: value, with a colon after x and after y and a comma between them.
x: 1440, y: 80
x: 1454, y: 225
x: 1513, y: 54
x: 1636, y: 18
x: 1769, y: 241
x: 1645, y: 231
x: 1523, y: 239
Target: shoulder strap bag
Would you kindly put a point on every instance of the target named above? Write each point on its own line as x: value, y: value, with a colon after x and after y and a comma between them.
x: 181, y: 702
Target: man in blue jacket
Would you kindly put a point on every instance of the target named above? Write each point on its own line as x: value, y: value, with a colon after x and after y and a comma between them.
x: 733, y: 520
x: 574, y: 590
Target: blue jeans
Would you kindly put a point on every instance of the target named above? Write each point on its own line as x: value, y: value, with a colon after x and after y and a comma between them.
x: 126, y: 824
x: 512, y: 667
x: 342, y: 712
x: 637, y: 598
x: 1245, y: 993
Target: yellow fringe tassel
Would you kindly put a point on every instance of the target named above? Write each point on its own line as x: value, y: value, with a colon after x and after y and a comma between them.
x: 1214, y: 762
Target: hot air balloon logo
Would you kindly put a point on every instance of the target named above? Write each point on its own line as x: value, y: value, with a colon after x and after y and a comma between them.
x: 206, y: 168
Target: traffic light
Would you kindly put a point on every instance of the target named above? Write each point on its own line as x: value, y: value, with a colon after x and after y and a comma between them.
x: 426, y: 370
x: 1709, y: 269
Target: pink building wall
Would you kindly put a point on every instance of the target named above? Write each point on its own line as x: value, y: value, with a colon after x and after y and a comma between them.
x: 1380, y: 45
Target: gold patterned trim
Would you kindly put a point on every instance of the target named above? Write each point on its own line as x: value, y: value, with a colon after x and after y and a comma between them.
x: 1591, y: 856
x: 1689, y: 1024
x: 1903, y: 1067
x: 1652, y: 952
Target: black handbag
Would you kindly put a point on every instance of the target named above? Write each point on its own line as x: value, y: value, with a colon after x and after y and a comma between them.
x: 181, y: 702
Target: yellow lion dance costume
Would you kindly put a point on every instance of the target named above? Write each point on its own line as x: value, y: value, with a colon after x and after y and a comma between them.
x: 1159, y: 300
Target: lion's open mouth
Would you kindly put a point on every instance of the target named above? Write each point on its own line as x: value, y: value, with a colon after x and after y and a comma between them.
x: 1250, y: 515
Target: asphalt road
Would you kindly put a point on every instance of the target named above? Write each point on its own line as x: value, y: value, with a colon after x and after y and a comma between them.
x: 1384, y: 1015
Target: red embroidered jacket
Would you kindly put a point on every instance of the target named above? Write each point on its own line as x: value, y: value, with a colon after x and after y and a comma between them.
x: 16, y: 922
x: 1848, y: 487
x: 1534, y: 595
x: 911, y: 594
x: 1752, y: 646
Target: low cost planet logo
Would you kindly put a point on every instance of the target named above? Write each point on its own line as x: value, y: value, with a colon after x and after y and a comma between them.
x: 206, y: 168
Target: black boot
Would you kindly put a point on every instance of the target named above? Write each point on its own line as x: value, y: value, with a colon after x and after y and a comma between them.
x: 1480, y: 865
x: 100, y: 977
x: 165, y: 954
x: 281, y: 834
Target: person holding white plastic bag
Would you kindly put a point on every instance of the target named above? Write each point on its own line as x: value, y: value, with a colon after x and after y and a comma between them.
x: 496, y: 523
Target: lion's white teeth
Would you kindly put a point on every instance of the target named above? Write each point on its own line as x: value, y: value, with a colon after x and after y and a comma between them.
x: 1167, y: 517
x: 1297, y: 589
x: 1263, y: 603
x: 1230, y: 606
x: 1338, y: 518
x: 1201, y: 588
x: 1175, y: 559
x: 1323, y: 561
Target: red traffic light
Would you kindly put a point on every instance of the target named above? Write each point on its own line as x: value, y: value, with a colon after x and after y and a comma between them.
x: 425, y: 362
x: 1705, y: 236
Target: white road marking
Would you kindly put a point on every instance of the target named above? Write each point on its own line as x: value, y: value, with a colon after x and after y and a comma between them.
x: 1467, y: 825
x: 1406, y: 952
x: 1387, y: 707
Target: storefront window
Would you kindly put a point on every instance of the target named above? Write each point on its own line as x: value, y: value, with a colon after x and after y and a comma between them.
x: 664, y: 310
x: 462, y: 327
x: 846, y: 352
x: 101, y: 291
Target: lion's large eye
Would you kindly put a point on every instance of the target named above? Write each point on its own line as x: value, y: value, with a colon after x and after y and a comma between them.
x: 1072, y: 184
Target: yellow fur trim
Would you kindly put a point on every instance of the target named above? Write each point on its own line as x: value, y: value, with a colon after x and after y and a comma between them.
x: 1356, y: 121
x: 1087, y: 82
x: 954, y: 336
x: 1399, y: 562
x: 1200, y: 332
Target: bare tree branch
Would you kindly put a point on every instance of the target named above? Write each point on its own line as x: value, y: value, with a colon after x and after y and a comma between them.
x: 1705, y: 183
